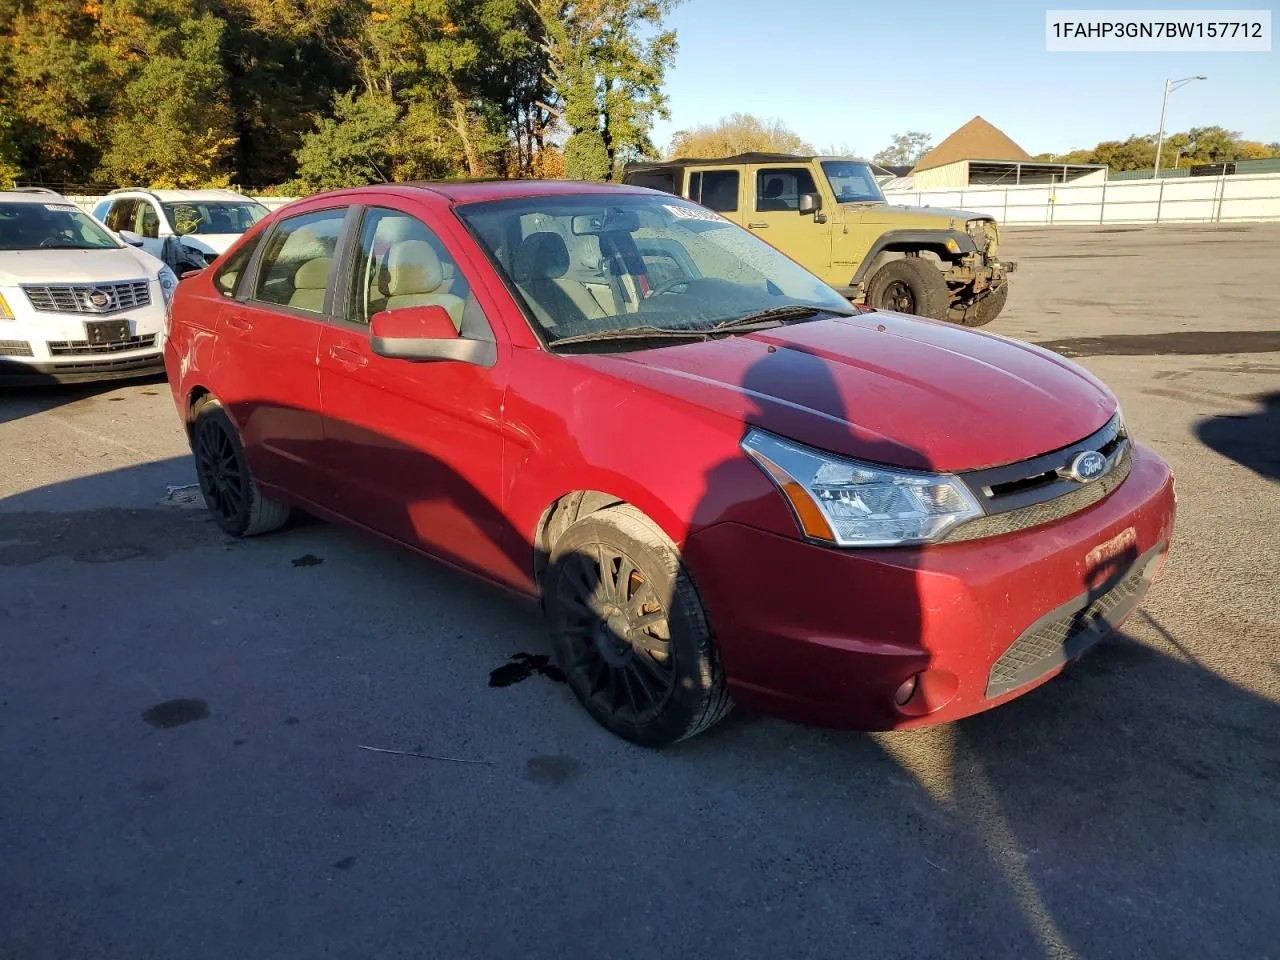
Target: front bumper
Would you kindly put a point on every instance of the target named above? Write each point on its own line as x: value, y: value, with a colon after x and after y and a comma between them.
x: 49, y: 347
x: 829, y: 637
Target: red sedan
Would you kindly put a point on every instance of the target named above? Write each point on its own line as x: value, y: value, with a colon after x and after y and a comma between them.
x: 724, y: 483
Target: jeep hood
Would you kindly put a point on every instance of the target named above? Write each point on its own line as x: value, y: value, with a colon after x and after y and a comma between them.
x: 883, y: 387
x: 900, y: 217
x: 108, y: 265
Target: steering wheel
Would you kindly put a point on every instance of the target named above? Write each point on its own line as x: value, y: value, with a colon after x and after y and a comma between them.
x: 51, y: 242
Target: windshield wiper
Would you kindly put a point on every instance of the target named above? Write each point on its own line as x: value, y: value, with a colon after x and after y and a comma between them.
x: 631, y: 333
x: 795, y: 311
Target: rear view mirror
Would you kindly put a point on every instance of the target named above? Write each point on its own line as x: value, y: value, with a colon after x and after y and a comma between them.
x: 424, y: 333
x: 810, y: 202
x: 129, y: 237
x: 608, y: 221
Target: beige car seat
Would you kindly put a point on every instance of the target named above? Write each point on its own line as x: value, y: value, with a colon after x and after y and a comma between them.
x: 309, y: 282
x: 541, y: 262
x: 414, y: 277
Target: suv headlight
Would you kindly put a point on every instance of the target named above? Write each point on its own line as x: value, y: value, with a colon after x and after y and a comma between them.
x: 847, y: 503
x: 168, y: 283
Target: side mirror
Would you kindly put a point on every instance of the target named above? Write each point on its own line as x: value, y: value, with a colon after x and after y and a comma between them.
x: 129, y: 237
x: 810, y: 202
x: 422, y: 333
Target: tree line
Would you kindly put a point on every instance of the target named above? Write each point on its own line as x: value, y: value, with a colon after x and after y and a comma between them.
x: 305, y: 95
x: 1195, y: 146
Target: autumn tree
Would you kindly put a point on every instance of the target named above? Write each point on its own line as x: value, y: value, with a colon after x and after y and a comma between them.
x: 606, y: 63
x: 905, y: 150
x: 734, y: 134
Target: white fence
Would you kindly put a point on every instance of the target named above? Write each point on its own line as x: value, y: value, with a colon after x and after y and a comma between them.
x: 1184, y: 200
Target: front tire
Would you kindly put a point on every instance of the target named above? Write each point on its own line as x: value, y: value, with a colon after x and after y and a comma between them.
x: 629, y: 631
x: 984, y: 311
x: 910, y: 285
x: 230, y: 492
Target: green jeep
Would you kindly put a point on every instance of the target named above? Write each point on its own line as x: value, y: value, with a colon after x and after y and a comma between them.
x: 828, y: 214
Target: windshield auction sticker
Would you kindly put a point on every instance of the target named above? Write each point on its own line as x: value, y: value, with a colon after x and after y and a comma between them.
x: 692, y: 213
x: 1173, y: 31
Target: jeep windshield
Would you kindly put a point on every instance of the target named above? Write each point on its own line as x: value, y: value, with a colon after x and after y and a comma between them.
x: 630, y: 271
x: 50, y: 226
x: 852, y: 181
x: 189, y: 217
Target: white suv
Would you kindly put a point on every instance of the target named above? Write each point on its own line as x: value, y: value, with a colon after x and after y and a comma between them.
x: 206, y: 222
x: 75, y: 302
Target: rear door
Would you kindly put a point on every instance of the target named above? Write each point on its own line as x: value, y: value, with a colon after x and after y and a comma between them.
x: 268, y: 337
x: 414, y: 448
x: 716, y: 188
x: 775, y: 216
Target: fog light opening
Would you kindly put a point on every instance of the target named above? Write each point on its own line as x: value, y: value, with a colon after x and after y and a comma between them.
x: 908, y: 690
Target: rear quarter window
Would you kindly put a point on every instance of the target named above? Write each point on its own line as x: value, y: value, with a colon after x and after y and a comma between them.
x: 227, y: 278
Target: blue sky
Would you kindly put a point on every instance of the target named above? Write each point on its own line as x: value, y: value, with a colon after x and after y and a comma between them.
x: 851, y: 74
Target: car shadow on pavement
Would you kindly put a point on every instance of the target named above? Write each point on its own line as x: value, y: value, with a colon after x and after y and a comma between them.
x: 17, y: 402
x: 1251, y: 439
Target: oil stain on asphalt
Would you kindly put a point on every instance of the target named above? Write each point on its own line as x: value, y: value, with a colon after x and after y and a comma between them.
x: 522, y: 666
x: 1189, y: 342
x: 174, y: 713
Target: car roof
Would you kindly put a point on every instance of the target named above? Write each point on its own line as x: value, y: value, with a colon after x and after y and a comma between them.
x: 737, y: 160
x: 472, y: 191
x: 25, y: 196
x: 190, y: 196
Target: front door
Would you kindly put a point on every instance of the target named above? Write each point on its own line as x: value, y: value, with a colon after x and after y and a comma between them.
x: 776, y: 218
x: 414, y: 448
x: 268, y: 336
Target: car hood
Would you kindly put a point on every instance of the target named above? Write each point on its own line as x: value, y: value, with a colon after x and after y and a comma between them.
x: 76, y: 266
x: 215, y: 243
x: 905, y: 217
x: 883, y: 387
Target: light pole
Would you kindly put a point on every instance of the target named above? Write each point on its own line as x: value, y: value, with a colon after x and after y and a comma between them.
x: 1169, y: 87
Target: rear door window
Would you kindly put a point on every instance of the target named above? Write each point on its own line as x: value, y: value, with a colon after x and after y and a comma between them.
x: 298, y: 262
x: 715, y: 189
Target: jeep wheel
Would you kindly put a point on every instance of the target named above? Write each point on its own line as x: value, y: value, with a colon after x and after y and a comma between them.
x: 982, y: 312
x: 910, y: 285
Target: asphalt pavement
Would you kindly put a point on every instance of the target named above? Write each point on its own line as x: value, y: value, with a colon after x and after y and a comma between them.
x: 186, y: 721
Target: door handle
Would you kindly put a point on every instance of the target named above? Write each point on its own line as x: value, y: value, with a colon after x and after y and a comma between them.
x: 238, y: 321
x: 757, y: 226
x: 349, y: 358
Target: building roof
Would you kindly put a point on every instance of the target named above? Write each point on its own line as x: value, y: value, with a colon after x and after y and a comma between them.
x: 976, y: 140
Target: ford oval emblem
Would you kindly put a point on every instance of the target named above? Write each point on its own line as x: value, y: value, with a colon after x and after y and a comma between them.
x: 1087, y: 466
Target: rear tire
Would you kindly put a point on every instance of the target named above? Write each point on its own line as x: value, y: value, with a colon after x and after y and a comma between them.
x: 230, y: 492
x: 629, y: 631
x: 982, y: 312
x: 910, y: 285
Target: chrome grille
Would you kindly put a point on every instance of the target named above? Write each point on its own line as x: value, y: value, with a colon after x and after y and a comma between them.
x: 75, y: 348
x: 15, y: 348
x: 98, y: 298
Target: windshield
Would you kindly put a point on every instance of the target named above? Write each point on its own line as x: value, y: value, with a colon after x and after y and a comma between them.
x: 852, y: 181
x: 199, y: 217
x: 606, y: 264
x: 53, y: 226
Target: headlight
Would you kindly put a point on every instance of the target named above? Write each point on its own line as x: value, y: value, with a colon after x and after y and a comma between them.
x: 168, y: 283
x: 5, y: 312
x: 851, y: 504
